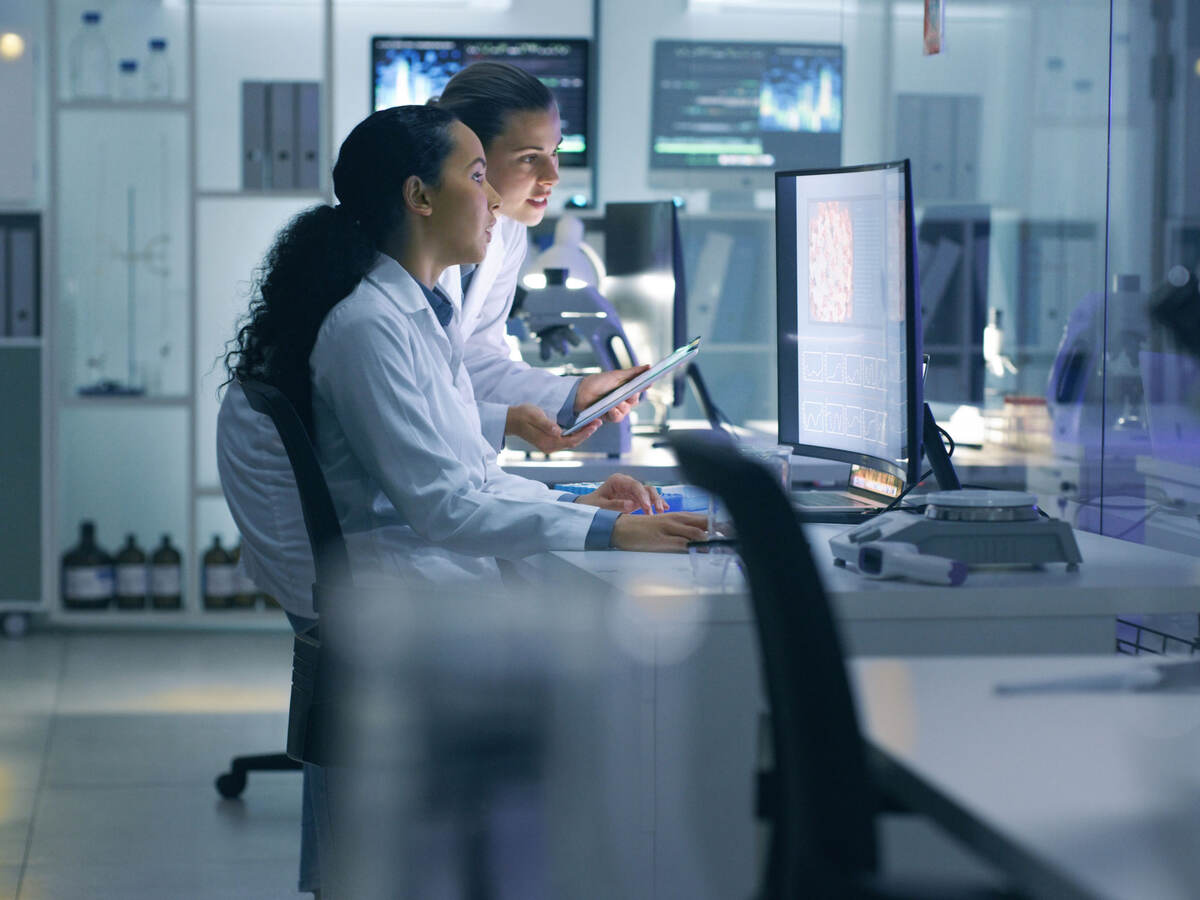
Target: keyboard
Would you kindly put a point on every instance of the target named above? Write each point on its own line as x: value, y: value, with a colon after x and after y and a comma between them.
x: 825, y: 499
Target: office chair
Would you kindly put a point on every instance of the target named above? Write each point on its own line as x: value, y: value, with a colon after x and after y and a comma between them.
x: 819, y: 798
x: 306, y: 742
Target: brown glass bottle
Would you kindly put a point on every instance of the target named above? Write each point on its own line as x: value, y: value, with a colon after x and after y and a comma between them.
x: 87, y: 572
x: 132, y: 577
x: 219, y: 584
x: 166, y: 576
x: 244, y: 589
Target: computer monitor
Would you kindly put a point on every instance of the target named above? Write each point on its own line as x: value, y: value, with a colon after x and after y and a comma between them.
x: 407, y: 70
x: 849, y: 321
x: 726, y: 115
x: 645, y: 280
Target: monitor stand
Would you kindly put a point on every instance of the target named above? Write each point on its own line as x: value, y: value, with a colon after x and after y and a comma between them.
x: 935, y: 452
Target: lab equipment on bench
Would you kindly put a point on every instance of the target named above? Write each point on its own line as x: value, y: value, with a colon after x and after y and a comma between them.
x: 967, y: 527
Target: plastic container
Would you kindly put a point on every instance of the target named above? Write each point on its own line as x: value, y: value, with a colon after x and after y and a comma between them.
x: 129, y: 83
x: 679, y: 497
x: 88, y: 60
x: 157, y: 76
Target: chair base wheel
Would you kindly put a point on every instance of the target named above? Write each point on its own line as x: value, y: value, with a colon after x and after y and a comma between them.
x: 230, y: 785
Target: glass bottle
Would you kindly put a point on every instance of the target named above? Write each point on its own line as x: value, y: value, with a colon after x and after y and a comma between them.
x: 219, y: 584
x: 87, y: 572
x: 89, y: 64
x: 129, y: 86
x: 245, y: 594
x: 157, y: 75
x: 166, y: 576
x: 133, y: 581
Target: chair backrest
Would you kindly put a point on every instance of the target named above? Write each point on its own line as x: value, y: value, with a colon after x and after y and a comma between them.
x: 331, y: 561
x: 823, y: 837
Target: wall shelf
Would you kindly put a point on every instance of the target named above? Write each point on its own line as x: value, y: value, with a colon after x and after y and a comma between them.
x: 315, y: 196
x: 147, y: 106
x: 125, y: 401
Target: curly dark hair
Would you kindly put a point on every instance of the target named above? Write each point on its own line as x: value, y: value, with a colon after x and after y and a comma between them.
x: 321, y: 255
x: 484, y: 94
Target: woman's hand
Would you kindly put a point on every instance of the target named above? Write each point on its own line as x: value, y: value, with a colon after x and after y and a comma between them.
x: 625, y: 494
x: 531, y: 424
x: 669, y: 532
x: 593, y: 387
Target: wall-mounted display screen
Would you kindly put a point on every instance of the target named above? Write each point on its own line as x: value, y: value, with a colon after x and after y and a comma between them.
x: 746, y: 106
x: 407, y: 70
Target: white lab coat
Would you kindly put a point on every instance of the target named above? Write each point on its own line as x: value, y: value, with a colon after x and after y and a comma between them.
x: 482, y: 316
x: 415, y: 485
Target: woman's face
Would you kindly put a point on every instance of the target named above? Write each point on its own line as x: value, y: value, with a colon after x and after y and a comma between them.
x: 464, y: 204
x: 523, y: 163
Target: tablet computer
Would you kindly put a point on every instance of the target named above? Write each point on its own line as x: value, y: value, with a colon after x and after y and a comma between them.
x: 634, y: 385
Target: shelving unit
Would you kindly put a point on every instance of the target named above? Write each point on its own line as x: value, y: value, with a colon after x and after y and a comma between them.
x: 149, y: 256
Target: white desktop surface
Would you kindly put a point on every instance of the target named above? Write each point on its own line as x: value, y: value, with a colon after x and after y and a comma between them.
x: 994, y: 611
x: 1074, y: 794
x: 644, y: 462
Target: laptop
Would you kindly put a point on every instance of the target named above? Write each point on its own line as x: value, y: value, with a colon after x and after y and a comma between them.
x: 867, y: 492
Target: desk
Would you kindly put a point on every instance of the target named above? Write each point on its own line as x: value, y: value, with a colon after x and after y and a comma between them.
x: 1010, y: 611
x: 644, y: 462
x: 704, y: 695
x: 1073, y: 795
x: 992, y: 467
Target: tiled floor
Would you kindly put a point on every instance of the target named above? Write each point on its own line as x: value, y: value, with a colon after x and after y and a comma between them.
x: 109, y: 743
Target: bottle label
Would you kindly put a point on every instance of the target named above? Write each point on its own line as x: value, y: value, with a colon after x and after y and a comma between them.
x: 132, y: 580
x: 88, y: 582
x: 166, y: 581
x: 220, y: 580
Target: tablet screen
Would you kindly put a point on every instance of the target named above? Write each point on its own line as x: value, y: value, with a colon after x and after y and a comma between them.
x: 634, y: 385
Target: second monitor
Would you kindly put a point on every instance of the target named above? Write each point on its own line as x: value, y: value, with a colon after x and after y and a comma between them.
x: 726, y: 114
x: 849, y: 339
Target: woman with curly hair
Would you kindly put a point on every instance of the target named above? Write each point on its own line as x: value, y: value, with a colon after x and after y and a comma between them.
x: 351, y: 325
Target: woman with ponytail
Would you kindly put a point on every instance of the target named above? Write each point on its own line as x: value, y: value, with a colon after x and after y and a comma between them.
x: 516, y: 119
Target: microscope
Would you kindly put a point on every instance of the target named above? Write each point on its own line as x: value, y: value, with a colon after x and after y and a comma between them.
x: 573, y: 319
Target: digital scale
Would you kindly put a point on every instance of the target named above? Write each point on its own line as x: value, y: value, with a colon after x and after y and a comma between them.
x: 959, y: 529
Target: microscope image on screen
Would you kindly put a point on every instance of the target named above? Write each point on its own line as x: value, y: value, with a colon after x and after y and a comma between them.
x: 830, y: 263
x: 848, y: 270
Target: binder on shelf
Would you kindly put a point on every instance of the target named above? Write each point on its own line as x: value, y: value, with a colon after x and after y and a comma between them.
x: 22, y: 282
x: 5, y: 327
x: 254, y: 136
x: 281, y: 115
x: 308, y: 135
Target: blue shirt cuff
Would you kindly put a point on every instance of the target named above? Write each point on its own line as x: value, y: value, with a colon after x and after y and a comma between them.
x: 566, y: 413
x: 599, y: 536
x: 568, y: 498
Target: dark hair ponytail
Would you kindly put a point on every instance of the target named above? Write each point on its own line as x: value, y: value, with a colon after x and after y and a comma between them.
x: 484, y: 94
x: 323, y: 253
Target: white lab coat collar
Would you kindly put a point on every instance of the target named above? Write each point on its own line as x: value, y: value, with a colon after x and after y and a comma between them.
x: 398, y: 285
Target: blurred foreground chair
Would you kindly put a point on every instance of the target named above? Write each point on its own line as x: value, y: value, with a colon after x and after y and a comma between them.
x: 331, y: 564
x: 819, y: 799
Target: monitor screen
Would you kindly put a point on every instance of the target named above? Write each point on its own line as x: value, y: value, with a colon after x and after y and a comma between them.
x: 407, y: 70
x: 849, y: 340
x: 746, y: 106
x: 645, y: 280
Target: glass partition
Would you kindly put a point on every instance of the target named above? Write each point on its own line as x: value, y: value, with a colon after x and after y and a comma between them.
x: 1058, y: 205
